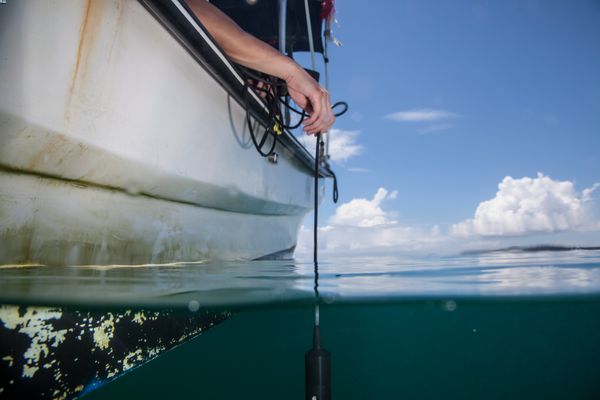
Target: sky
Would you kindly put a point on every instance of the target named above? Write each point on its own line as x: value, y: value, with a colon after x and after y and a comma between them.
x: 472, y: 125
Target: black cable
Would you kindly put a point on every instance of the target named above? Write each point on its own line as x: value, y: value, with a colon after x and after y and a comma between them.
x: 268, y: 131
x: 336, y: 194
x: 340, y: 103
x: 275, y: 94
x: 316, y: 210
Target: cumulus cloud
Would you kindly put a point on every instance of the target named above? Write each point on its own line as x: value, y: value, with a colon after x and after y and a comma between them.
x: 342, y: 144
x: 529, y: 205
x: 421, y: 115
x: 523, y: 212
x: 376, y: 240
x: 587, y: 193
x: 364, y: 226
x: 363, y: 212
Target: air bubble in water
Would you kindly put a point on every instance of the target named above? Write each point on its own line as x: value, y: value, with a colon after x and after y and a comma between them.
x: 193, y: 305
x: 450, y: 305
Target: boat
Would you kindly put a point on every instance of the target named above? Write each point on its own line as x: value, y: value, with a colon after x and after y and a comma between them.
x: 124, y: 136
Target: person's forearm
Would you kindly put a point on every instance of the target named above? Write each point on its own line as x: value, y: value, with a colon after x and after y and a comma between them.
x: 249, y: 51
x: 240, y: 46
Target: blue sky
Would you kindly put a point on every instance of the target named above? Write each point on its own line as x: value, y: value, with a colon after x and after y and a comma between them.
x: 449, y: 98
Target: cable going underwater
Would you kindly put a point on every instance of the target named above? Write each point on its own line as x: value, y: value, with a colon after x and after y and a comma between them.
x: 317, y: 360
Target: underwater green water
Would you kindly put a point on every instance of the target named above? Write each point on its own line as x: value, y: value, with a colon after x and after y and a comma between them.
x: 495, y: 326
x: 470, y: 349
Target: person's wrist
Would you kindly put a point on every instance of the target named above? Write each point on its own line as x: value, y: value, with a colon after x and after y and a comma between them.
x: 290, y: 69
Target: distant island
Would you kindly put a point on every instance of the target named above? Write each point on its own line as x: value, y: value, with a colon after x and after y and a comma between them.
x: 531, y: 249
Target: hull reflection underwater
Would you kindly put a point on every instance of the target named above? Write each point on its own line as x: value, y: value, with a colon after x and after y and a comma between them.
x: 61, y: 353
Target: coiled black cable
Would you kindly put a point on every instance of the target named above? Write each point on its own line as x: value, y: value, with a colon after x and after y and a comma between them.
x: 268, y: 130
x: 274, y: 91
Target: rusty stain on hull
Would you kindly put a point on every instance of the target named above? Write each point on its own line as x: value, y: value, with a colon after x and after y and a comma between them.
x: 78, y: 58
x: 95, y: 16
x: 80, y: 42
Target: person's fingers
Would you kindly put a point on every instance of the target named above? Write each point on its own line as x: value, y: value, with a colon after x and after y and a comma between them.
x: 323, y: 125
x: 315, y: 99
x: 260, y: 85
x: 317, y: 124
x: 318, y: 102
x: 300, y: 99
x: 324, y: 120
x: 328, y: 117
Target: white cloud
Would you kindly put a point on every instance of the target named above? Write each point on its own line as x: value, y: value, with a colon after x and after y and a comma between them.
x: 362, y: 212
x: 376, y: 240
x: 529, y: 205
x: 587, y: 193
x: 363, y: 226
x: 342, y: 144
x: 526, y: 211
x: 421, y: 115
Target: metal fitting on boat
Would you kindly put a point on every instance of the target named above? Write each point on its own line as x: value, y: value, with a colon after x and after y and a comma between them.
x: 273, y: 158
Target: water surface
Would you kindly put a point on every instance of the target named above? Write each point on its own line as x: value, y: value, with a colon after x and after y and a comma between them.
x: 280, y: 282
x: 495, y: 326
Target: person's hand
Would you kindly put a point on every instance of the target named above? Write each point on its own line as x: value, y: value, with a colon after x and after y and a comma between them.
x: 313, y: 99
x: 247, y: 50
x: 261, y: 87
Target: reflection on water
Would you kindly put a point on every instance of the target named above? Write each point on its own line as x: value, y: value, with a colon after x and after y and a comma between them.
x: 67, y: 330
x: 260, y: 282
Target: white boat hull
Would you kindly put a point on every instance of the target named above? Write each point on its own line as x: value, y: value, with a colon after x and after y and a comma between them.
x: 116, y: 146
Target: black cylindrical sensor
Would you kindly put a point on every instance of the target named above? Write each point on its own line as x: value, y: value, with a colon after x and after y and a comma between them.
x: 317, y: 370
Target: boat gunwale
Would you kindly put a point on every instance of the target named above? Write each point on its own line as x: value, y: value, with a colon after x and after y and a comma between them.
x: 203, y: 48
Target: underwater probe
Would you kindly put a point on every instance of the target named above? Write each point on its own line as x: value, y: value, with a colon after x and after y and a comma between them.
x: 317, y: 370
